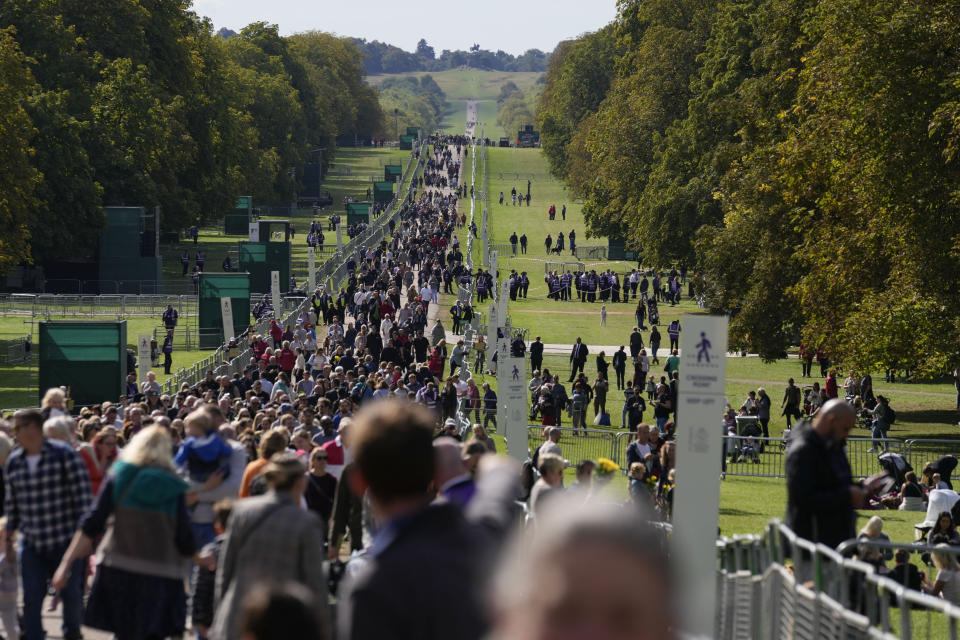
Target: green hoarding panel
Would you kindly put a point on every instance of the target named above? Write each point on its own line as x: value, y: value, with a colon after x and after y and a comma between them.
x: 382, y: 192
x: 391, y: 172
x: 260, y: 258
x: 245, y: 204
x: 406, y: 143
x: 413, y: 131
x: 616, y: 250
x: 358, y: 208
x: 213, y: 287
x: 88, y: 357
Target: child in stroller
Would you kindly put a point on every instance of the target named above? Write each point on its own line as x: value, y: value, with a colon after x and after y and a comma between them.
x: 748, y: 444
x: 653, y: 314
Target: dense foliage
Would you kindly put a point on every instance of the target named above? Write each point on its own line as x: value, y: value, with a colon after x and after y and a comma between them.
x: 387, y: 58
x: 412, y: 102
x: 139, y: 103
x: 801, y: 155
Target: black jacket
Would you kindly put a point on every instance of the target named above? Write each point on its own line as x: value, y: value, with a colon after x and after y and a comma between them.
x: 420, y: 584
x: 819, y: 506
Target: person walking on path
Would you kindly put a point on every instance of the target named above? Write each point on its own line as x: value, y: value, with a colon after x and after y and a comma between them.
x: 523, y: 243
x: 620, y: 366
x: 673, y: 330
x: 791, y: 402
x: 603, y: 315
x: 578, y: 358
x: 138, y: 588
x: 654, y: 345
x: 47, y: 492
x: 270, y: 538
x: 536, y: 354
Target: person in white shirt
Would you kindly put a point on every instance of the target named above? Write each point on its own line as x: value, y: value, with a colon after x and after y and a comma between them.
x: 385, y: 326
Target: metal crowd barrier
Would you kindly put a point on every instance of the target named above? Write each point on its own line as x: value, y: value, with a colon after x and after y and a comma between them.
x: 820, y: 594
x: 577, y: 445
x: 332, y: 273
x: 48, y: 304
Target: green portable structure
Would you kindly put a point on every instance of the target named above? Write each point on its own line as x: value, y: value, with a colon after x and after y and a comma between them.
x: 413, y: 131
x: 382, y: 192
x: 406, y: 143
x: 128, y: 248
x: 237, y: 222
x: 213, y: 287
x: 358, y: 212
x: 260, y: 258
x: 88, y: 357
x: 391, y: 172
x: 616, y: 250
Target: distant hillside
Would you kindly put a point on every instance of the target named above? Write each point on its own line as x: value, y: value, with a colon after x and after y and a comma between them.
x: 387, y: 58
x: 470, y: 84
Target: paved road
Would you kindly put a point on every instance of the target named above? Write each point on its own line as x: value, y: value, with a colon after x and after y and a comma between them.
x: 471, y: 117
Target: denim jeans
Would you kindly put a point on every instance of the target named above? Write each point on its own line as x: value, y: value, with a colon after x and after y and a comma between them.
x: 37, y: 569
x: 879, y: 436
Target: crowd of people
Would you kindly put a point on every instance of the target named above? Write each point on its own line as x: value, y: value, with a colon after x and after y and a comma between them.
x: 330, y: 439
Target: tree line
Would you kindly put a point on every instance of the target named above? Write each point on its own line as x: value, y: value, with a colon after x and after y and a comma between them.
x: 800, y: 154
x: 387, y: 58
x: 139, y: 103
x: 412, y: 102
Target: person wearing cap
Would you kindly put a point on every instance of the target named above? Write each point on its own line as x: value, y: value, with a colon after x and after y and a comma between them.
x: 450, y: 429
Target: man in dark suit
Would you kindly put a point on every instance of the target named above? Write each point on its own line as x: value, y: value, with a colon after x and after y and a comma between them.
x: 536, y: 355
x: 422, y: 549
x: 578, y: 358
x: 821, y: 495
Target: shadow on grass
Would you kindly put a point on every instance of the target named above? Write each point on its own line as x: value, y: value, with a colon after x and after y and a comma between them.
x: 728, y: 511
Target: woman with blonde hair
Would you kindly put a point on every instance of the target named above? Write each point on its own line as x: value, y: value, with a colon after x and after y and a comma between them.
x: 54, y: 403
x: 480, y: 435
x: 877, y: 556
x: 947, y: 584
x: 143, y: 560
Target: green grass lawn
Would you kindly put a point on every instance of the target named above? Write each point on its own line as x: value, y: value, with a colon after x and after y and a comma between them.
x: 470, y: 84
x: 925, y: 410
x: 18, y: 384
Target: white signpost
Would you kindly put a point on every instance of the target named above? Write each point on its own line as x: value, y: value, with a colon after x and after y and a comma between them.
x: 512, y: 410
x: 491, y: 335
x: 275, y: 290
x: 502, y: 304
x: 226, y: 313
x: 143, y: 356
x: 311, y: 269
x: 696, y: 502
x: 253, y: 231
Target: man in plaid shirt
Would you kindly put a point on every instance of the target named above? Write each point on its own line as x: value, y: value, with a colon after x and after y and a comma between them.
x: 47, y: 492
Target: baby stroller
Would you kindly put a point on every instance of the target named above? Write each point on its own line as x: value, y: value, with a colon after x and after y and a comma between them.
x: 895, y: 465
x: 748, y: 445
x: 653, y: 314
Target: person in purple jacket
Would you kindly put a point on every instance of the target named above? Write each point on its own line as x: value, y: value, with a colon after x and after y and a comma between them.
x: 450, y: 476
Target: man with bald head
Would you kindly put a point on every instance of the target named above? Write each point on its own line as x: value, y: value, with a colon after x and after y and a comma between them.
x: 821, y: 494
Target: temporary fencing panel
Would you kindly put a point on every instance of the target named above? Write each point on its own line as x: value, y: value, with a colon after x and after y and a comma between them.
x: 617, y: 250
x: 213, y: 287
x: 88, y: 357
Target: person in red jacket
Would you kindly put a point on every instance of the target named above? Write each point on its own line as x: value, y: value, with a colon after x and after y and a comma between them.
x: 276, y: 332
x: 287, y: 358
x: 830, y: 386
